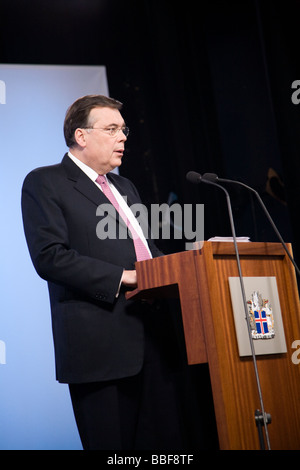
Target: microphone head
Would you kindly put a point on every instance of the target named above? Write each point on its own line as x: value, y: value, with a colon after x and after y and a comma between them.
x: 193, y: 177
x: 210, y: 177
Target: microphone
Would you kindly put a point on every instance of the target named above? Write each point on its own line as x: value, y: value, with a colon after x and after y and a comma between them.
x: 194, y: 177
x: 212, y: 178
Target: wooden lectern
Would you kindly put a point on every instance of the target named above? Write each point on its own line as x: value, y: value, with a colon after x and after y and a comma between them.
x: 200, y: 279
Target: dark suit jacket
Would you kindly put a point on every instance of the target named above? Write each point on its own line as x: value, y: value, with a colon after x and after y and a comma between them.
x: 96, y: 335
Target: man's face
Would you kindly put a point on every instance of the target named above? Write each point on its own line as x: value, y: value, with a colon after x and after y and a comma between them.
x: 100, y: 150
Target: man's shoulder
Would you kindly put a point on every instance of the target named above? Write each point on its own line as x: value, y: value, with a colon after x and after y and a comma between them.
x: 50, y: 169
x: 43, y: 170
x: 43, y: 173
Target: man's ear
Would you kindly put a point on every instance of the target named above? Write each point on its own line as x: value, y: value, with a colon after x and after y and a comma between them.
x: 80, y: 137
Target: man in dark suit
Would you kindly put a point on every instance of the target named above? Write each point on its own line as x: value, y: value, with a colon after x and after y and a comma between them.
x: 116, y: 355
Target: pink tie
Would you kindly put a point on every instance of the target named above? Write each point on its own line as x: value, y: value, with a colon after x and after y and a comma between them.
x: 140, y: 249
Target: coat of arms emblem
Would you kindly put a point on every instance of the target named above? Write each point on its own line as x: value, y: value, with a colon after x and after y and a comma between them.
x: 261, y: 317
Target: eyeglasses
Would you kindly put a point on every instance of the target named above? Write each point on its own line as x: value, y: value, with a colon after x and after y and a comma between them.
x: 112, y: 131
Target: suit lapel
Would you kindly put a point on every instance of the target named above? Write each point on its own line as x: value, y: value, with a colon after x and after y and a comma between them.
x: 82, y: 182
x: 121, y: 188
x: 87, y: 188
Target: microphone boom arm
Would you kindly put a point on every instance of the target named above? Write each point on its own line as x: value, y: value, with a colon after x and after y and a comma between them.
x: 211, y: 176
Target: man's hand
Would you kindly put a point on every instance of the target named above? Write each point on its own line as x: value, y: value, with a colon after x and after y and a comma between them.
x: 129, y: 278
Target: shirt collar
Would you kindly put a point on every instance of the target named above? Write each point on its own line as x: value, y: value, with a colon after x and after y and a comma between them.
x: 92, y: 174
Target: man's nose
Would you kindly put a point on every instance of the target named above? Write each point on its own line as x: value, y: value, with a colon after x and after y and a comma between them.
x: 122, y: 136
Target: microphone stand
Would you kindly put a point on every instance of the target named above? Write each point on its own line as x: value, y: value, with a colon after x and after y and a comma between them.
x: 212, y: 177
x: 261, y: 419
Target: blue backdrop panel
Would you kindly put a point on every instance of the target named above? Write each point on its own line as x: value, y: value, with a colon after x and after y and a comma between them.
x: 35, y: 411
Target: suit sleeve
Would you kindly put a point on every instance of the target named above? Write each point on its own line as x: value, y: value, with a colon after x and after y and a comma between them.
x: 46, y: 234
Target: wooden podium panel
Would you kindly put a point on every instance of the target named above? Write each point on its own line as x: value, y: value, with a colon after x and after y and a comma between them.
x: 200, y: 279
x: 175, y: 276
x: 233, y: 378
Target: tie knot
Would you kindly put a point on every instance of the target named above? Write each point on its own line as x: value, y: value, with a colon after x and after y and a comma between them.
x: 101, y: 179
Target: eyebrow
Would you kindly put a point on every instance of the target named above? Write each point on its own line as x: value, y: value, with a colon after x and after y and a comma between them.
x: 113, y: 124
